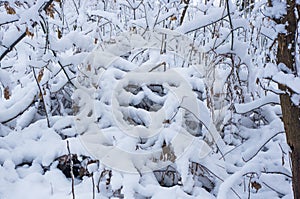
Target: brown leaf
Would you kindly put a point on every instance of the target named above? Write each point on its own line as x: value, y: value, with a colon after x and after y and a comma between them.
x: 28, y: 33
x: 83, y: 172
x: 40, y: 76
x: 9, y: 10
x: 255, y: 185
x: 50, y: 11
x: 173, y: 18
x: 6, y: 93
x: 89, y: 68
x: 76, y: 110
x: 166, y: 122
x: 59, y: 35
x: 40, y: 96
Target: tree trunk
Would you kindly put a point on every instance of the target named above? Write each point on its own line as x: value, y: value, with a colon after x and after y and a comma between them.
x: 290, y: 113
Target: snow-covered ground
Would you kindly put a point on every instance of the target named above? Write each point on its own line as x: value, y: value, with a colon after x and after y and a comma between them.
x: 134, y: 99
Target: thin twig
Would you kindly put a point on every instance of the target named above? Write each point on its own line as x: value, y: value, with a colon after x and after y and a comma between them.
x: 230, y: 151
x: 249, y: 185
x: 42, y: 96
x: 93, y: 183
x: 230, y: 22
x: 208, y: 170
x: 161, y: 64
x: 12, y: 45
x: 76, y: 8
x: 274, y: 189
x: 208, y: 24
x: 23, y: 35
x: 278, y: 172
x: 205, y: 127
x: 63, y: 69
x: 71, y: 169
x: 20, y: 113
x: 187, y: 2
x: 142, y: 51
x: 247, y: 160
x: 8, y: 22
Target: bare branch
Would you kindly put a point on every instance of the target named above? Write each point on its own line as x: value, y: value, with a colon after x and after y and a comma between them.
x: 42, y: 96
x: 23, y: 35
x: 184, y: 11
x: 71, y: 168
x: 230, y: 22
x: 250, y: 158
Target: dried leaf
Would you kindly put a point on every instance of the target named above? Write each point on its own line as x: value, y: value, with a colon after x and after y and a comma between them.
x: 173, y: 18
x: 6, y: 93
x: 28, y: 33
x: 9, y: 10
x: 50, y: 11
x: 76, y: 110
x: 89, y: 68
x: 255, y: 185
x: 95, y: 41
x: 40, y: 96
x: 83, y: 172
x: 166, y: 122
x: 59, y: 35
x: 167, y: 153
x: 40, y: 76
x: 58, y: 1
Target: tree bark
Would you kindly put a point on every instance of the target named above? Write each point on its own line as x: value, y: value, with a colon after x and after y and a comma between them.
x: 290, y: 113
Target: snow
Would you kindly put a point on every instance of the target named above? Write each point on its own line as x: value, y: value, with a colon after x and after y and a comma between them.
x: 141, y: 105
x: 289, y: 80
x: 266, y: 134
x: 15, y: 106
x: 247, y: 107
x: 218, y: 13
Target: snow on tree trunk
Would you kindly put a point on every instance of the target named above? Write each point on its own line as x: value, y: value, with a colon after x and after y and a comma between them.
x: 290, y: 111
